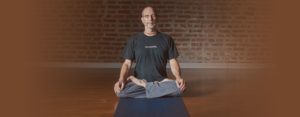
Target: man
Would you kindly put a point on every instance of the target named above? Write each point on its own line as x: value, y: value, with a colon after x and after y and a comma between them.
x: 151, y: 50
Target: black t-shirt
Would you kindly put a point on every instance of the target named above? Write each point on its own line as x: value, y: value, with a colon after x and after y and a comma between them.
x: 151, y: 54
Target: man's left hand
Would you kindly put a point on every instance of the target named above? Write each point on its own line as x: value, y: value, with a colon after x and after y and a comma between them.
x: 181, y: 83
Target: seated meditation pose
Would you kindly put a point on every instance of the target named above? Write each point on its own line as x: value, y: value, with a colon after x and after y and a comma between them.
x: 150, y: 50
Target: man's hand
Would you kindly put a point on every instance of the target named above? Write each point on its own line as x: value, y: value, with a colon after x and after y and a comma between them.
x: 181, y: 84
x: 119, y: 85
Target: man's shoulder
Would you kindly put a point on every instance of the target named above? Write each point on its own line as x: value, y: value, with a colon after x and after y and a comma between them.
x: 165, y: 36
x: 136, y: 35
x: 133, y: 37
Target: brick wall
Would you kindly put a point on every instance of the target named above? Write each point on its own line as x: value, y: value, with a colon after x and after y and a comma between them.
x: 205, y: 31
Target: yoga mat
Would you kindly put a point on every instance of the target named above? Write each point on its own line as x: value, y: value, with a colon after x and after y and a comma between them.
x: 155, y: 107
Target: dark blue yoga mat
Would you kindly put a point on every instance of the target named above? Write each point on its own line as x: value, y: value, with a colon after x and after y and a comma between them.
x: 156, y: 107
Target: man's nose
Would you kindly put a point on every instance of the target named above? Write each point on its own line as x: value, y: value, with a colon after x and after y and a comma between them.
x: 151, y: 18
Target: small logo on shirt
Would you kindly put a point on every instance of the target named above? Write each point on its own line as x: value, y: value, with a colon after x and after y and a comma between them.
x: 153, y: 46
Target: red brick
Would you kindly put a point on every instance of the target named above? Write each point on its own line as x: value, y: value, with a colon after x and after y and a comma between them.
x: 227, y: 32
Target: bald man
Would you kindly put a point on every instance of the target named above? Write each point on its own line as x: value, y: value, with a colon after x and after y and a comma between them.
x: 150, y: 50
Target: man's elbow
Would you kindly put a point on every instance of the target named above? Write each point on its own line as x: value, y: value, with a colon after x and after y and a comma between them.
x: 173, y: 61
x: 127, y: 62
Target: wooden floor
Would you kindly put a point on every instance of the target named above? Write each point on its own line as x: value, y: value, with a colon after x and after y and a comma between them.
x: 210, y: 92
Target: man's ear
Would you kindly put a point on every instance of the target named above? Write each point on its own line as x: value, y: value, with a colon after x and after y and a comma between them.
x: 142, y: 19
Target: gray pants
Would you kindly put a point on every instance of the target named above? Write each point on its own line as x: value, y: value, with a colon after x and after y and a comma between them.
x: 152, y: 90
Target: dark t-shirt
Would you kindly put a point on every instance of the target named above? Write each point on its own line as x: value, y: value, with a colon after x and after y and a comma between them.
x: 151, y: 54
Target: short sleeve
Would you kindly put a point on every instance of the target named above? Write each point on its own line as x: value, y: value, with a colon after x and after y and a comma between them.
x: 173, y: 53
x: 128, y: 52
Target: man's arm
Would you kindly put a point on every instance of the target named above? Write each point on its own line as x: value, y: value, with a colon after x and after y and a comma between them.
x: 125, y: 69
x: 177, y: 73
x: 119, y: 85
x: 175, y: 68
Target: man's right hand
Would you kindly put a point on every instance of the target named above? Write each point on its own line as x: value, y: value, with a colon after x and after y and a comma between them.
x: 119, y: 85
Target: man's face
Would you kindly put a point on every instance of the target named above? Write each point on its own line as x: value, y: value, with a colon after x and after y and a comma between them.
x: 148, y: 18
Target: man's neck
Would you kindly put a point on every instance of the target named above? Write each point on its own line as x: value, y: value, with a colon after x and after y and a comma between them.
x: 150, y: 32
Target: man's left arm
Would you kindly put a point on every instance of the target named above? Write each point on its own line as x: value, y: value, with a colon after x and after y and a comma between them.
x: 175, y: 68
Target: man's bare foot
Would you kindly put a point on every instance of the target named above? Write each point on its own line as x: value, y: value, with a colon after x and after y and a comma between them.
x: 138, y: 81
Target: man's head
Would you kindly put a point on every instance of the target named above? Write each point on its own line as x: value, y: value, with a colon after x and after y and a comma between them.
x: 149, y: 17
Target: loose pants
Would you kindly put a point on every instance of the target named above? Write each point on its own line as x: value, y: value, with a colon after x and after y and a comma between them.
x: 155, y: 89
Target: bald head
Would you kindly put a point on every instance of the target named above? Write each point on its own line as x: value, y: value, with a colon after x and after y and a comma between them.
x: 148, y: 9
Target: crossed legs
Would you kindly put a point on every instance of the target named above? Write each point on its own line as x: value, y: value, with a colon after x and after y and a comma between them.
x: 142, y: 89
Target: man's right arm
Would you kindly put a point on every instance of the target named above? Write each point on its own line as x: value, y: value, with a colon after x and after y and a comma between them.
x: 125, y: 69
x: 119, y: 85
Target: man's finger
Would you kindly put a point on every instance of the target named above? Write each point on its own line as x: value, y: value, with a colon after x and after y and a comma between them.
x: 122, y: 85
x: 182, y: 89
x: 117, y: 90
x: 181, y: 84
x: 117, y: 86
